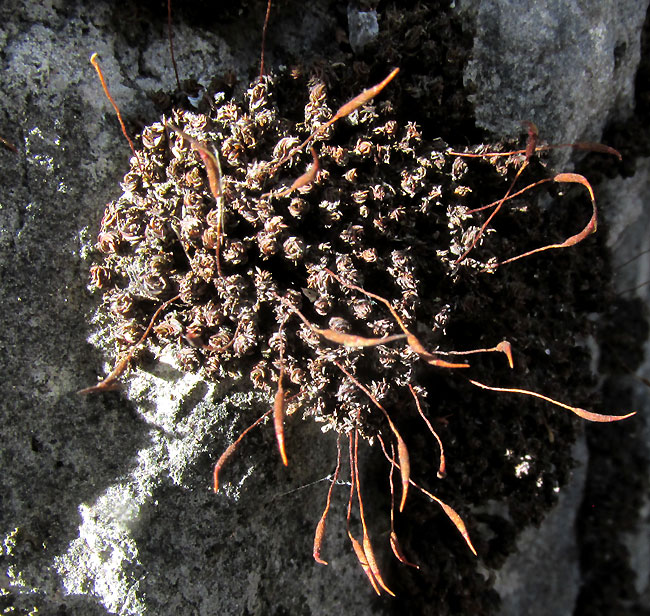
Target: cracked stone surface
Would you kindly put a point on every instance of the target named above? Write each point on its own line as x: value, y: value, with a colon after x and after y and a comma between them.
x: 106, y: 505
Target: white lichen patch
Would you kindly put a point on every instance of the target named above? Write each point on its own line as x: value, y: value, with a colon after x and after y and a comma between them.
x: 103, y: 559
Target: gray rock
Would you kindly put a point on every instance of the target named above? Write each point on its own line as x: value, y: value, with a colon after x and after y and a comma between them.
x: 363, y: 27
x: 629, y: 244
x: 568, y: 67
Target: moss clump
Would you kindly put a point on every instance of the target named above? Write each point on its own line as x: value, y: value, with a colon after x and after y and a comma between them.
x: 388, y: 211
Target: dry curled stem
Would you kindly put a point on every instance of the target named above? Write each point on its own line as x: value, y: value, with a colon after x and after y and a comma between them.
x: 397, y: 550
x: 358, y: 549
x: 349, y: 340
x: 531, y: 148
x: 9, y: 145
x: 590, y: 227
x: 354, y: 341
x: 278, y: 419
x: 367, y: 546
x: 278, y: 411
x: 305, y: 179
x: 588, y: 146
x: 264, y: 29
x: 503, y: 347
x: 494, y: 212
x: 531, y: 141
x: 394, y: 543
x: 442, y: 466
x: 363, y: 561
x: 450, y: 512
x: 170, y: 37
x: 344, y: 110
x: 411, y: 339
x: 360, y: 99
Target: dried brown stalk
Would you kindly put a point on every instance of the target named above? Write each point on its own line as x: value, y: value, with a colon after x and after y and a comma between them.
x: 94, y: 60
x: 320, y: 528
x: 588, y: 415
x: 450, y: 512
x: 232, y: 447
x: 402, y: 451
x: 394, y: 542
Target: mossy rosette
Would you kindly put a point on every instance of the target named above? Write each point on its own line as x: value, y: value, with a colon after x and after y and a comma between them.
x: 388, y: 211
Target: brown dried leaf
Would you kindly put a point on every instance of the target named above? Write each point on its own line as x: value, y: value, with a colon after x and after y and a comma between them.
x: 442, y: 467
x: 404, y: 466
x: 452, y: 515
x: 223, y: 458
x: 320, y: 528
x: 506, y: 348
x: 110, y: 382
x: 597, y: 147
x: 94, y: 60
x: 318, y: 537
x: 306, y: 178
x: 278, y: 421
x: 9, y: 145
x: 531, y: 141
x: 449, y: 511
x: 372, y: 563
x: 360, y: 99
x: 441, y: 363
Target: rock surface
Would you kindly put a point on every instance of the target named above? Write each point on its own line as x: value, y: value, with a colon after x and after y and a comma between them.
x: 106, y: 502
x: 568, y: 67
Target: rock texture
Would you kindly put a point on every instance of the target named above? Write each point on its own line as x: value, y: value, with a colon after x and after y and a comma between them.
x: 568, y: 67
x: 106, y: 503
